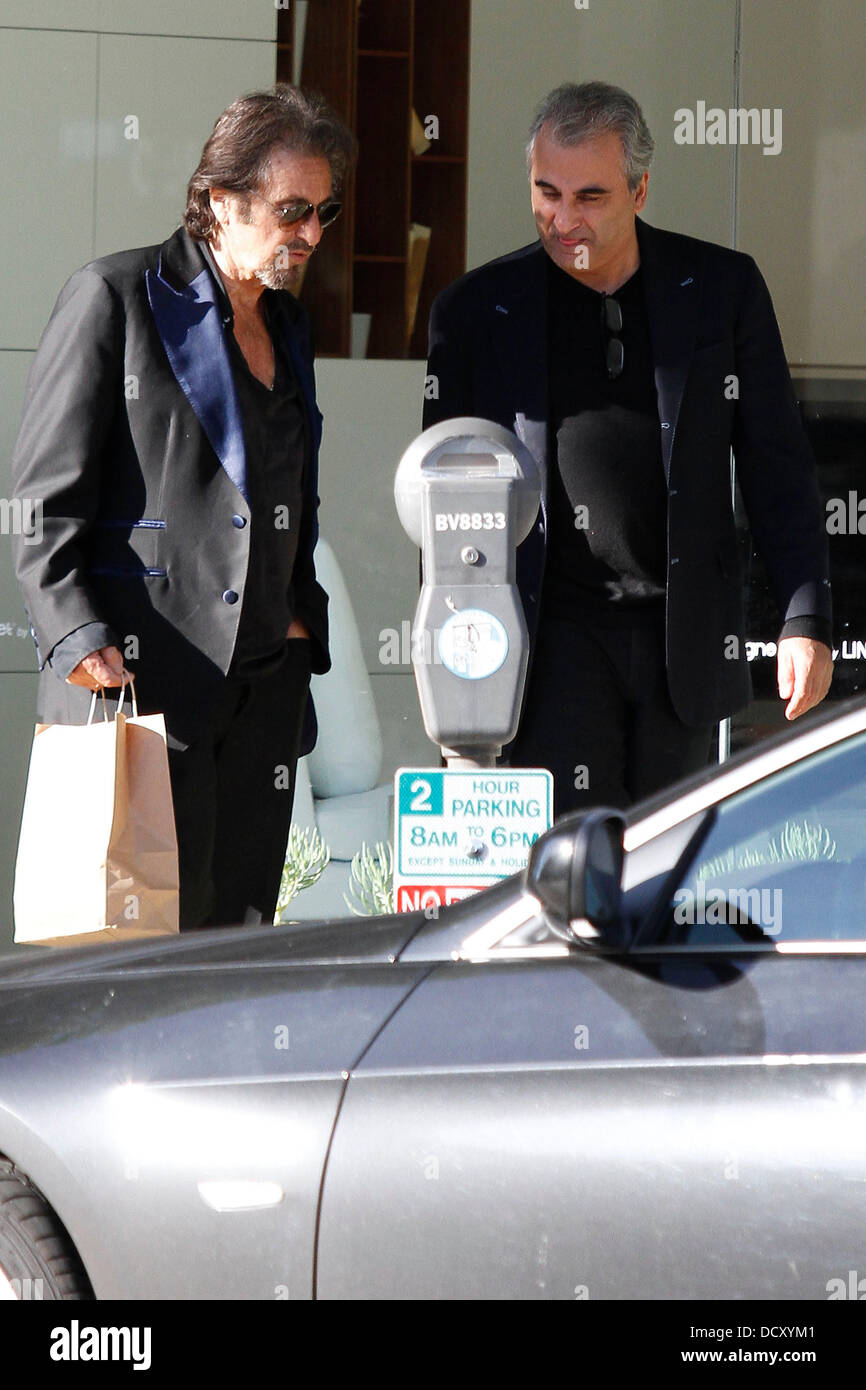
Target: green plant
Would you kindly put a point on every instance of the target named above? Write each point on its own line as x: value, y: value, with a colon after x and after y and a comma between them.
x: 371, y: 881
x: 797, y: 841
x: 307, y: 857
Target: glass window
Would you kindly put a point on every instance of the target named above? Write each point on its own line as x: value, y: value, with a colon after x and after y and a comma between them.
x: 785, y: 860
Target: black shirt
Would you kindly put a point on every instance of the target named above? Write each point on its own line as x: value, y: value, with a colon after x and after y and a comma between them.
x: 608, y: 501
x: 275, y: 445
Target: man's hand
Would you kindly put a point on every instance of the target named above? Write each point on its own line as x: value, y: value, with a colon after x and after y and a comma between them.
x: 297, y: 629
x: 104, y: 667
x: 805, y: 669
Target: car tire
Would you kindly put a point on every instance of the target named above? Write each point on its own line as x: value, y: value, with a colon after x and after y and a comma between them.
x: 37, y: 1257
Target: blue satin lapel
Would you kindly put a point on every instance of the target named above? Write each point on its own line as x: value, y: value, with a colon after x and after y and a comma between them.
x: 191, y: 330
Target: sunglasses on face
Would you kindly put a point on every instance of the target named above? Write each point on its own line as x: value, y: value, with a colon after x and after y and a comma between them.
x: 611, y: 323
x: 299, y: 210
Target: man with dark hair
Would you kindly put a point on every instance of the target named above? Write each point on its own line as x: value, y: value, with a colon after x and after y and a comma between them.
x: 171, y: 431
x: 631, y: 361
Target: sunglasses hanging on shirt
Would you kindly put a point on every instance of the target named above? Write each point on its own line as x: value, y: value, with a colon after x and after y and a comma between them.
x: 611, y: 325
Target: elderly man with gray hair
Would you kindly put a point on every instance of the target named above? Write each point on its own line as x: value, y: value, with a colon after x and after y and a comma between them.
x: 632, y: 361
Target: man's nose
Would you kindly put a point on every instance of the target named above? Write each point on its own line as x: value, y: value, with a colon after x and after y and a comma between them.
x: 567, y: 219
x: 310, y: 230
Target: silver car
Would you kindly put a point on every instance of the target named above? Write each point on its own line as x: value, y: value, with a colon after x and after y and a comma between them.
x: 635, y: 1071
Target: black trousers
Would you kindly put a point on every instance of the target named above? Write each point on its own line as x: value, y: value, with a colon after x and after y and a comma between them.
x: 598, y: 713
x: 233, y: 791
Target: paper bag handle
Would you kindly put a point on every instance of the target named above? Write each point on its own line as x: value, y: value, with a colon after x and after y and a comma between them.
x: 128, y: 679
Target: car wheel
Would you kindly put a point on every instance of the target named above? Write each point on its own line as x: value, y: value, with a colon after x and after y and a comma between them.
x: 37, y: 1258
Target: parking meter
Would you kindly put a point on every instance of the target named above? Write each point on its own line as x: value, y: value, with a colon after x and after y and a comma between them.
x: 467, y: 492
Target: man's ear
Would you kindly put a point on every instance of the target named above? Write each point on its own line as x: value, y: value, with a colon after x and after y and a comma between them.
x: 640, y: 192
x: 219, y: 205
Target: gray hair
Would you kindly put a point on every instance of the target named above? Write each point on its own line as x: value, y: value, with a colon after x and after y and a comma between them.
x: 576, y: 113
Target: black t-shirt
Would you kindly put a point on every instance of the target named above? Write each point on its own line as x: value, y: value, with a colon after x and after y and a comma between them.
x: 608, y: 501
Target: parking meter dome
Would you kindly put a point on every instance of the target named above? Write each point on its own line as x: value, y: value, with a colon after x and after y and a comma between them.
x: 467, y: 448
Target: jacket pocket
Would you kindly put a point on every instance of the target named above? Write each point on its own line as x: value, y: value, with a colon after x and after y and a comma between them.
x: 143, y: 522
x: 127, y: 548
x: 129, y: 571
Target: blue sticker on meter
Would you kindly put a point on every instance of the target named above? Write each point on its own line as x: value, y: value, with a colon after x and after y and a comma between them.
x: 473, y: 644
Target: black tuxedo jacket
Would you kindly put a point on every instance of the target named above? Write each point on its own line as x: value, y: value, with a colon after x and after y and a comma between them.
x: 132, y: 438
x: 722, y: 383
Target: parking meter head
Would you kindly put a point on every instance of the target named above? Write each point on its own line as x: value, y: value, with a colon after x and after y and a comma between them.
x: 458, y: 451
x: 467, y: 492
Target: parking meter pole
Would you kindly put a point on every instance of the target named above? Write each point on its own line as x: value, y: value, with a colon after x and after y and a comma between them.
x: 470, y: 757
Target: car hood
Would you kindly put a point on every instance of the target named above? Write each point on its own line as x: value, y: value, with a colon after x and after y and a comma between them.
x: 354, y: 941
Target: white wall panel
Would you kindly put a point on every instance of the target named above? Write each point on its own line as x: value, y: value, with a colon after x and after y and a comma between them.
x: 404, y: 742
x: 18, y: 706
x: 802, y: 213
x: 50, y: 14
x: 230, y: 19
x: 667, y: 53
x: 17, y: 652
x: 372, y: 412
x: 175, y: 89
x: 47, y: 144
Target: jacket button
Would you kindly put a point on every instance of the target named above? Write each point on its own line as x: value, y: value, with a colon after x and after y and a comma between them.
x: 230, y: 596
x: 239, y: 521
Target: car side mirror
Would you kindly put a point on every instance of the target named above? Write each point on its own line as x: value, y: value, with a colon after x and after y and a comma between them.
x: 575, y: 872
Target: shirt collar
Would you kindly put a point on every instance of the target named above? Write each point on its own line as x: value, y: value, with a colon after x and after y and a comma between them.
x: 225, y: 305
x: 566, y: 283
x: 273, y: 302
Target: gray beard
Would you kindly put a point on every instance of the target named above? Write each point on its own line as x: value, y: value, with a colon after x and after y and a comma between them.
x: 275, y: 277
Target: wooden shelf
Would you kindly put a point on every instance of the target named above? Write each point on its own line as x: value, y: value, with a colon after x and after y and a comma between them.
x: 285, y: 45
x: 375, y: 62
x: 382, y: 23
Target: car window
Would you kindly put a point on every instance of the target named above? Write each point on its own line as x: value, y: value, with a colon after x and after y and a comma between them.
x: 785, y: 860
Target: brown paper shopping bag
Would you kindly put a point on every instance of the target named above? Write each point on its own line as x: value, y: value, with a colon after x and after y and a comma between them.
x: 97, y: 853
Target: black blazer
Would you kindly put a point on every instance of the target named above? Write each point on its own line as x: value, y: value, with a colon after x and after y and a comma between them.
x: 711, y: 319
x: 132, y: 438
